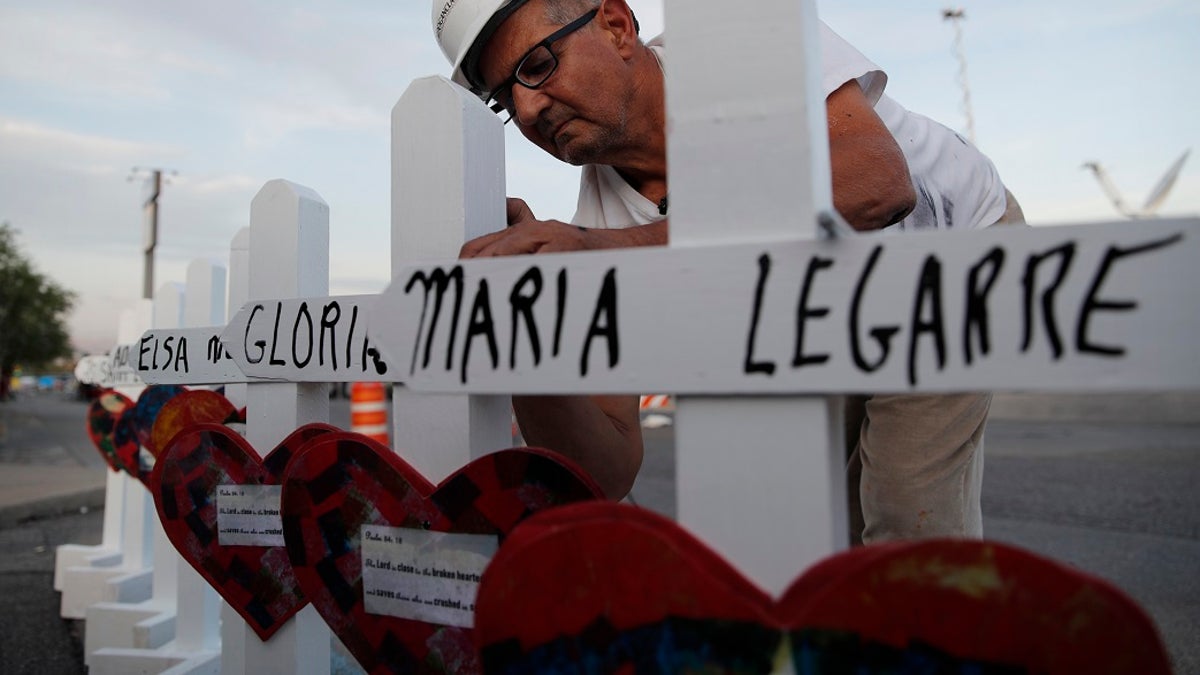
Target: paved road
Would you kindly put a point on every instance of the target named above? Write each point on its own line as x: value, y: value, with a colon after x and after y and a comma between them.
x: 1104, y: 483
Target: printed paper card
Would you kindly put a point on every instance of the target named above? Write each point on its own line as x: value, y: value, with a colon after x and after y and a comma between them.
x: 423, y: 575
x: 248, y: 515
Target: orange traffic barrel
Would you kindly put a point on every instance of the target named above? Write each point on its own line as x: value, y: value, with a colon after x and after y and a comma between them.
x: 368, y: 410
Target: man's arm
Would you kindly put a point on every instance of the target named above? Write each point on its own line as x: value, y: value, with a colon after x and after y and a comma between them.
x: 603, y: 434
x: 871, y: 184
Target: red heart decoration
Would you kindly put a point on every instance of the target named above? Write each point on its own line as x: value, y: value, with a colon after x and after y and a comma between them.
x: 257, y: 581
x: 971, y: 604
x: 621, y: 589
x: 341, y: 482
x: 149, y: 404
x: 111, y: 430
x: 186, y: 410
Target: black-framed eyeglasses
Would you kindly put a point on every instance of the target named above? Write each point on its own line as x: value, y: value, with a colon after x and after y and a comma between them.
x: 534, y: 68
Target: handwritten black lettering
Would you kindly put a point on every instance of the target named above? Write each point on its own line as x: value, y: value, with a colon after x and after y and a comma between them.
x: 274, y: 361
x: 803, y: 313
x: 436, y: 283
x: 883, y: 335
x: 522, y: 307
x: 174, y: 353
x: 142, y: 351
x: 216, y: 351
x: 749, y: 364
x: 480, y: 323
x: 976, y: 318
x: 606, y: 310
x: 562, y: 311
x: 1092, y: 303
x: 181, y: 356
x: 377, y: 361
x: 1065, y: 254
x: 296, y: 335
x: 121, y: 357
x: 527, y: 310
x: 350, y: 338
x: 261, y: 344
x: 929, y: 291
x: 330, y: 315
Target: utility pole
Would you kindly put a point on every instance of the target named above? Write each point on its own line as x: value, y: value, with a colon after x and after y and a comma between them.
x: 154, y: 183
x: 956, y: 17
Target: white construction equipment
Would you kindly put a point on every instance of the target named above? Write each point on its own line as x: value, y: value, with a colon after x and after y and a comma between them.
x: 1157, y: 196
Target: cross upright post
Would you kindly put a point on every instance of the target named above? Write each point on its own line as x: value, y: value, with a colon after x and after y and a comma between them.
x: 436, y: 207
x: 85, y: 579
x: 749, y: 158
x: 197, y: 620
x: 288, y: 257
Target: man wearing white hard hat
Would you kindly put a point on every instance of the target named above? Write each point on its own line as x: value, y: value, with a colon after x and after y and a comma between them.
x: 580, y: 84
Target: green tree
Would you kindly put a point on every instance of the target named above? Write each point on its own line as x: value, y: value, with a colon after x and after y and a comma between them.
x: 33, y: 312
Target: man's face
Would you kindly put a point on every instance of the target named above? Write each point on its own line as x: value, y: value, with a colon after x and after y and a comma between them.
x: 577, y: 115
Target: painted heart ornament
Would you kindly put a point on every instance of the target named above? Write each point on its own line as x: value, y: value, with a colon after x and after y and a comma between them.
x: 110, y: 428
x: 605, y: 588
x: 219, y: 505
x: 185, y: 410
x: 391, y: 561
x: 149, y: 404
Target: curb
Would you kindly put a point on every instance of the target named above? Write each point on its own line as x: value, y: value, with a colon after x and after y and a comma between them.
x: 50, y: 507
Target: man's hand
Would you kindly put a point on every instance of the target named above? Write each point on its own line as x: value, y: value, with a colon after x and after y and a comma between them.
x: 526, y: 234
x: 602, y: 434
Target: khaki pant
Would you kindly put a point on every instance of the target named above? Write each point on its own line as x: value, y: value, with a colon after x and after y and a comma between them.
x: 916, y: 461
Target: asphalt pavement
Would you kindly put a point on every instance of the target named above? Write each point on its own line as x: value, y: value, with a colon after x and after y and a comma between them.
x: 1105, y: 483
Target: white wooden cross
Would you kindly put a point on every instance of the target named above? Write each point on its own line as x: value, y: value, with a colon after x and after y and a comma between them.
x: 755, y: 321
x: 284, y: 254
x: 177, y: 624
x: 82, y: 573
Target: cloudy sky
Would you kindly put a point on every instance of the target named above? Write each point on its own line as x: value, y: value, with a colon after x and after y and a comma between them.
x: 232, y: 94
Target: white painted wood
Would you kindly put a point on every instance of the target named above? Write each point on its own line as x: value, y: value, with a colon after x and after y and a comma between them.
x: 116, y: 603
x: 960, y: 311
x: 143, y: 627
x: 170, y: 306
x: 183, y: 609
x: 196, y: 603
x: 138, y: 513
x: 306, y: 340
x: 288, y: 258
x: 82, y: 572
x: 239, y: 290
x: 234, y: 631
x: 108, y: 553
x: 746, y: 124
x: 447, y: 188
x: 195, y: 356
x: 114, y: 661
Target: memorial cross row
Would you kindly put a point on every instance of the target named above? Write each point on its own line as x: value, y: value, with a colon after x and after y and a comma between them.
x: 723, y: 316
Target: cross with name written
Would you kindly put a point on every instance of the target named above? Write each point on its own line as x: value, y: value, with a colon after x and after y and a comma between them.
x: 746, y: 302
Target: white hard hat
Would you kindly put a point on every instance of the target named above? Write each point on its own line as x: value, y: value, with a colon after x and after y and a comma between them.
x: 460, y: 24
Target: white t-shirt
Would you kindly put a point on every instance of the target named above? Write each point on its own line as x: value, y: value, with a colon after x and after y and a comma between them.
x: 956, y: 185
